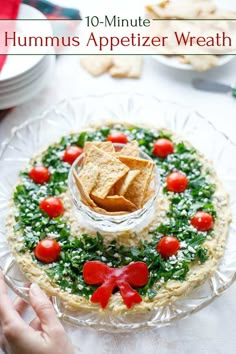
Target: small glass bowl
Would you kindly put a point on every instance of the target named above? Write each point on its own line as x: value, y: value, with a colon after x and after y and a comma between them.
x: 113, y: 223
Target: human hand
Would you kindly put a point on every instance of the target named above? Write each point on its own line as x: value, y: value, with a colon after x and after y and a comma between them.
x: 44, y: 335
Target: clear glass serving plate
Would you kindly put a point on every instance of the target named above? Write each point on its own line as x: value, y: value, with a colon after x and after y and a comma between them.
x: 76, y: 114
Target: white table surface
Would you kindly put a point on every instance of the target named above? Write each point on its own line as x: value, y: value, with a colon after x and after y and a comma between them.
x: 212, y: 330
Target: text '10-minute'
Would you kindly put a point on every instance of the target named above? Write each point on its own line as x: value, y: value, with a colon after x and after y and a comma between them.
x: 116, y: 21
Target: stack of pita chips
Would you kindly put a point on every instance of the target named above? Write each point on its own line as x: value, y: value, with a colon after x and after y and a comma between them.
x: 114, y: 182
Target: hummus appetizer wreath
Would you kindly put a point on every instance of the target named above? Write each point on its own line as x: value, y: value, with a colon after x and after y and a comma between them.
x: 130, y: 271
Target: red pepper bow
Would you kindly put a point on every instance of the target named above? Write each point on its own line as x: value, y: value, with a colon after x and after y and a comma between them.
x: 134, y: 274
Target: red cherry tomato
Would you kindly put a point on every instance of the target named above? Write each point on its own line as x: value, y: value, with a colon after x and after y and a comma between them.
x: 39, y: 174
x: 176, y: 182
x: 71, y: 154
x: 47, y: 250
x: 163, y: 147
x: 117, y: 137
x: 168, y: 246
x: 52, y: 206
x: 202, y: 221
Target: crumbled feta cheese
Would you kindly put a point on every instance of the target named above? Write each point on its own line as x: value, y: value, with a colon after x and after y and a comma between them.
x: 184, y: 212
x: 191, y: 249
x: 183, y: 244
x: 51, y: 235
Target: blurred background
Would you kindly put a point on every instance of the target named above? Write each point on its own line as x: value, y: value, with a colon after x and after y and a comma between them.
x: 69, y: 79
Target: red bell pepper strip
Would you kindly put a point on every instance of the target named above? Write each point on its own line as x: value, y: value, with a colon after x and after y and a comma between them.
x: 132, y: 275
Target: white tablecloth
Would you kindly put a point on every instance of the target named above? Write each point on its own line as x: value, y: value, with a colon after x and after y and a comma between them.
x: 212, y: 330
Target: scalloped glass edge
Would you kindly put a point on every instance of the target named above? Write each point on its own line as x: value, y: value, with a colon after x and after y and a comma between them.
x: 131, y: 107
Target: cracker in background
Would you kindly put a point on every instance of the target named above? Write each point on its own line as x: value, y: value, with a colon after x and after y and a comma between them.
x: 221, y: 14
x: 137, y: 190
x: 182, y: 9
x: 200, y: 62
x: 110, y: 168
x: 126, y: 66
x: 115, y: 203
x: 96, y: 64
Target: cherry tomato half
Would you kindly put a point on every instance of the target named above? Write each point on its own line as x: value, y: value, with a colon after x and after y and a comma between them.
x: 176, y: 182
x: 162, y: 148
x: 202, y: 221
x: 117, y: 137
x: 52, y: 206
x: 168, y: 246
x: 71, y: 154
x: 39, y: 174
x: 47, y: 250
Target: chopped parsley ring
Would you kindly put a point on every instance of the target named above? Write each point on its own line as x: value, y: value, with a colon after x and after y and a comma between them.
x: 67, y: 271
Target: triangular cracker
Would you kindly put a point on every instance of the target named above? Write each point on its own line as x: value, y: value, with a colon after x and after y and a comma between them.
x: 120, y: 188
x: 137, y: 190
x: 85, y: 181
x: 130, y: 149
x: 115, y: 203
x: 110, y: 168
x: 103, y: 145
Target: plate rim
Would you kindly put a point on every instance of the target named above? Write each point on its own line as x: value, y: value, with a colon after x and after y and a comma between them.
x: 82, y: 96
x: 188, y: 67
x: 114, y: 327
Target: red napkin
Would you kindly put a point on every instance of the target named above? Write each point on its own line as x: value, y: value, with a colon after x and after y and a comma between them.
x: 8, y: 11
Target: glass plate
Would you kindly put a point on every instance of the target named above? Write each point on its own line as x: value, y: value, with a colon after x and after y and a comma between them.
x: 77, y: 113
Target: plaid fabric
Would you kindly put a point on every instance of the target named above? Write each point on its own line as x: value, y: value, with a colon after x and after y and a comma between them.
x: 53, y: 11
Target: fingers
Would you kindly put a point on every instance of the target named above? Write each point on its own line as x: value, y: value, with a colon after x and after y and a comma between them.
x: 20, y: 305
x: 8, y: 314
x: 5, y: 347
x: 35, y: 324
x: 44, y: 309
